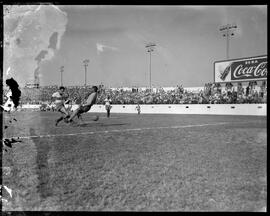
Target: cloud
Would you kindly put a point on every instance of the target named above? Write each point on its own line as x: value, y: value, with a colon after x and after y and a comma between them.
x: 101, y: 48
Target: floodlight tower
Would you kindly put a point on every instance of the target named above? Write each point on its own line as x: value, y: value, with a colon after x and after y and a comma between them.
x: 61, y: 72
x: 150, y: 48
x: 228, y: 31
x: 85, y: 63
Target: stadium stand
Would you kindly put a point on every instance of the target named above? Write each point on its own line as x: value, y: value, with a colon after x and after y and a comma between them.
x: 211, y: 93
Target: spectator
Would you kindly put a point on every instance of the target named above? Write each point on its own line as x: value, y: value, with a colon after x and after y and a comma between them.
x: 248, y: 90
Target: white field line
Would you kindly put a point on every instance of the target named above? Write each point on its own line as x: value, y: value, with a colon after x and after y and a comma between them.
x: 105, y: 117
x: 121, y: 130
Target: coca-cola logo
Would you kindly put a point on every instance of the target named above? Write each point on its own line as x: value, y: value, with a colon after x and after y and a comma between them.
x: 250, y: 70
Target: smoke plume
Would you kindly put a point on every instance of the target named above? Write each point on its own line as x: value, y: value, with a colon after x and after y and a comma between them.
x: 32, y: 35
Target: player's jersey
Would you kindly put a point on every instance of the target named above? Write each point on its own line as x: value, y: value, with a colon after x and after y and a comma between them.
x: 108, y: 104
x: 91, y: 99
x: 58, y: 98
x: 107, y: 101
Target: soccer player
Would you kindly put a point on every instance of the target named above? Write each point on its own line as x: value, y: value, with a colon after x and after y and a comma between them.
x: 108, y: 105
x: 59, y: 98
x: 85, y: 107
x: 138, y: 108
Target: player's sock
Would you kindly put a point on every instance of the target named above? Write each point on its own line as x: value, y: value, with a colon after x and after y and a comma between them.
x: 66, y: 119
x: 58, y: 120
x: 71, y: 122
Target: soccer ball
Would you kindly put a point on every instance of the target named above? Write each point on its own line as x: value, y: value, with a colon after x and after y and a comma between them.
x: 96, y: 118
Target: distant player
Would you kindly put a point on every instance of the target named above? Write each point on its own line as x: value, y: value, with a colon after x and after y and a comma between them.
x: 108, y: 106
x: 59, y: 100
x: 138, y: 108
x: 85, y: 107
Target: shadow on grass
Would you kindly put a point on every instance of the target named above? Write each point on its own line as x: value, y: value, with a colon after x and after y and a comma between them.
x: 43, y: 148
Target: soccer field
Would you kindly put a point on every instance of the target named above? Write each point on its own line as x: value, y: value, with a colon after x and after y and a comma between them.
x: 136, y: 162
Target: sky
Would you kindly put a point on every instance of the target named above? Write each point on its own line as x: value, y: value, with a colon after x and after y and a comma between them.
x: 41, y: 39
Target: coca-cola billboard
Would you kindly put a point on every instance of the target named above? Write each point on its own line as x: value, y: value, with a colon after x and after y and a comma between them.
x: 245, y: 69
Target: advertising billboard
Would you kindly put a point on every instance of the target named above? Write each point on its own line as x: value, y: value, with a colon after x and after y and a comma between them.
x: 241, y: 70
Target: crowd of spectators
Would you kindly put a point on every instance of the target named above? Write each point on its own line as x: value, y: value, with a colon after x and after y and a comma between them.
x: 212, y: 93
x: 234, y: 94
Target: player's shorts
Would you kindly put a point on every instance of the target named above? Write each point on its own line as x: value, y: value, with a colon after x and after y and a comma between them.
x: 59, y: 106
x: 84, y: 109
x: 108, y: 107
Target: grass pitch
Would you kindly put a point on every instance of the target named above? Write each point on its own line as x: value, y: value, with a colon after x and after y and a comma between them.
x: 135, y: 162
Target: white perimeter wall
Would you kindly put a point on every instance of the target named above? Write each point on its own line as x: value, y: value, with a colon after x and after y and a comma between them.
x: 212, y: 109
